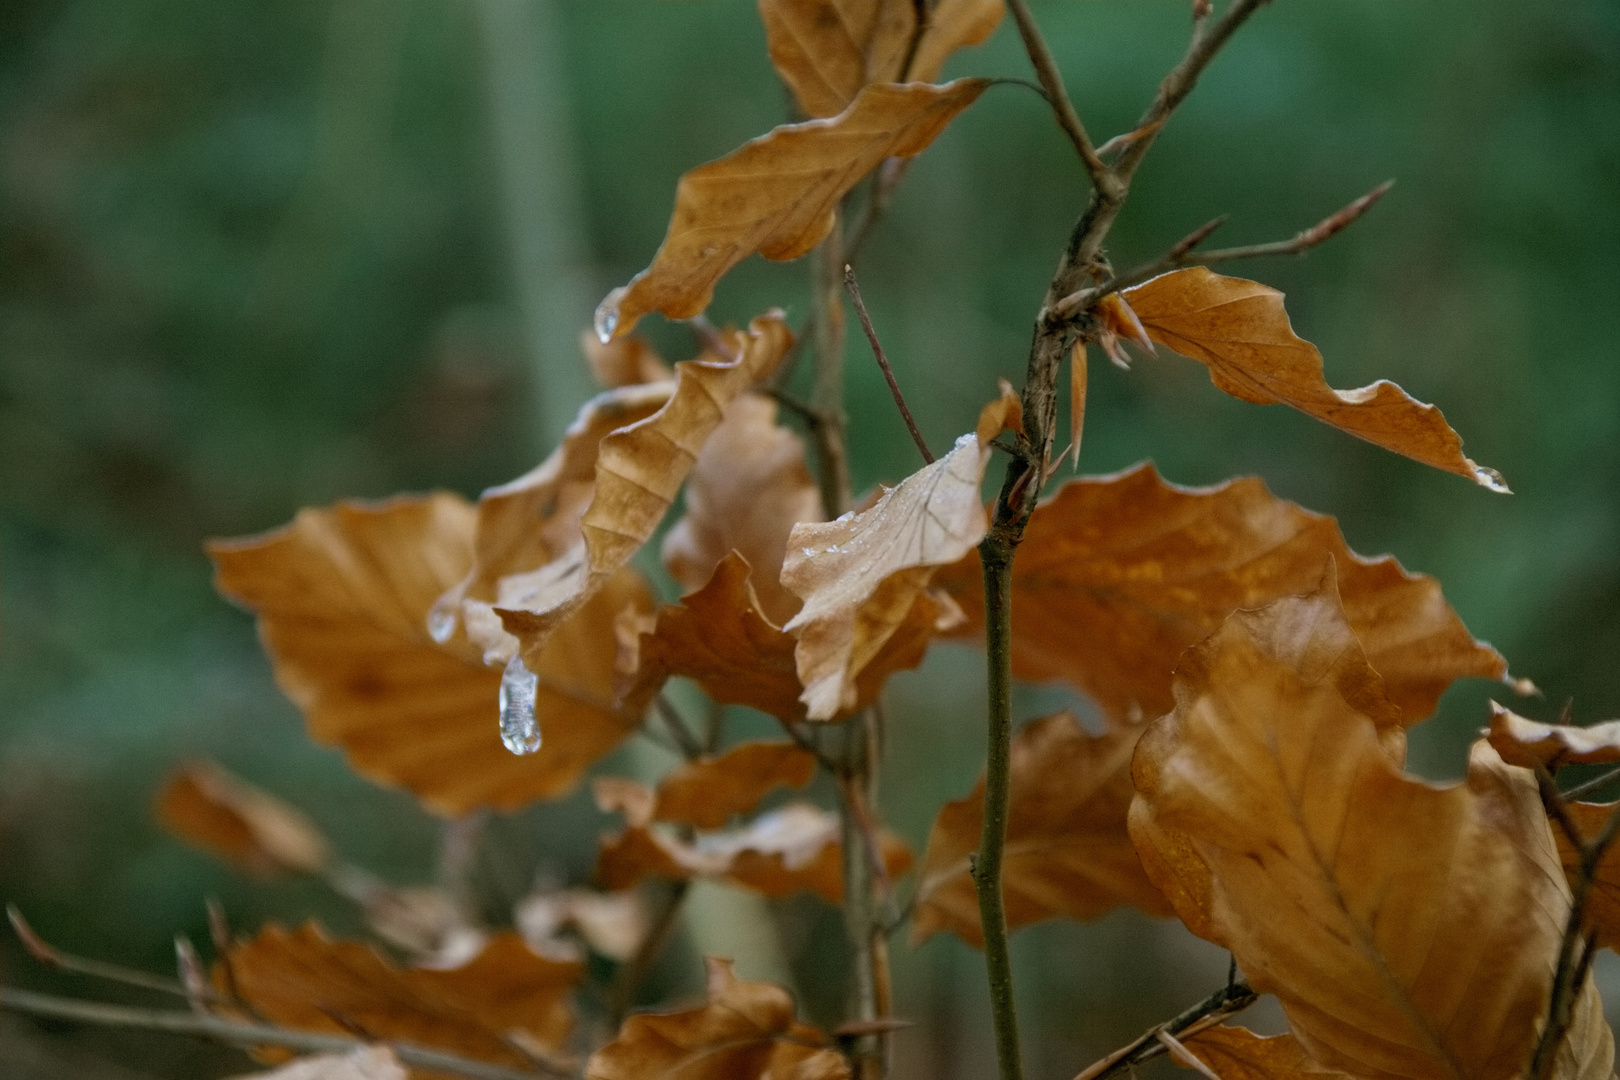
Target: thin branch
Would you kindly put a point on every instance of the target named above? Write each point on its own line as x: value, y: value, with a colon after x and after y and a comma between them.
x: 871, y: 837
x: 1183, y: 1056
x: 997, y: 557
x: 1553, y: 801
x: 803, y: 742
x: 688, y: 743
x: 1046, y: 70
x: 922, y: 15
x: 1212, y: 1010
x: 854, y: 289
x: 1592, y: 785
x: 1183, y: 255
x: 629, y: 978
x: 51, y: 956
x: 247, y: 1035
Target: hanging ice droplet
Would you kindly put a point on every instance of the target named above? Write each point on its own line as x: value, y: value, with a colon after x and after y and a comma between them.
x: 1491, y: 480
x: 441, y: 622
x: 607, y: 315
x: 520, y: 732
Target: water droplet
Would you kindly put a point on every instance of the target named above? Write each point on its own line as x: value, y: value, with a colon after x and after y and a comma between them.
x: 1491, y: 479
x: 809, y: 553
x: 520, y: 732
x: 607, y: 315
x: 441, y: 622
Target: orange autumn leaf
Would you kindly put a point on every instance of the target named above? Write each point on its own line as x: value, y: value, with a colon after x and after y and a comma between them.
x: 303, y: 980
x: 746, y: 1029
x: 343, y: 595
x: 707, y: 793
x: 791, y: 849
x: 1118, y: 575
x: 860, y: 576
x: 1379, y: 909
x: 1603, y: 901
x: 638, y: 471
x: 1239, y: 330
x: 826, y: 50
x: 1068, y: 852
x: 1236, y: 1053
x: 777, y: 195
x: 747, y: 490
x: 1528, y: 743
x: 719, y: 638
x: 626, y: 361
x: 251, y: 829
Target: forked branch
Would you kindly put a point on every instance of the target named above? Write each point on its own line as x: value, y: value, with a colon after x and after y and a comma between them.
x: 1232, y: 998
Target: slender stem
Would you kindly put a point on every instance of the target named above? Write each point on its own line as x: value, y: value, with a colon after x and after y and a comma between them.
x: 246, y: 1035
x: 922, y: 16
x: 634, y: 972
x: 1593, y: 784
x: 997, y: 555
x: 1182, y: 254
x: 883, y: 362
x: 827, y: 391
x: 1229, y: 999
x: 689, y: 745
x: 50, y: 955
x: 1040, y: 57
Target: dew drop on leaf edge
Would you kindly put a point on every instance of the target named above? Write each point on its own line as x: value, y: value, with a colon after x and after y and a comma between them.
x: 441, y: 622
x: 520, y: 731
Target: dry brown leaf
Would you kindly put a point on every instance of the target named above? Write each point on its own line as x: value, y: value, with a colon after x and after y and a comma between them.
x: 366, y: 1063
x: 861, y: 575
x: 611, y: 923
x: 1603, y: 901
x: 1528, y: 743
x: 1239, y: 330
x: 746, y: 1029
x: 777, y: 195
x: 638, y: 471
x: 826, y: 50
x: 1408, y: 930
x: 710, y: 792
x: 1236, y: 1053
x: 746, y: 492
x: 303, y: 980
x: 626, y: 361
x: 342, y: 596
x: 791, y: 849
x: 251, y: 829
x: 1067, y: 853
x: 1118, y: 575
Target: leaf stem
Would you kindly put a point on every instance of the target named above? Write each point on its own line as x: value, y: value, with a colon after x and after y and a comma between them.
x: 629, y: 978
x: 50, y: 955
x: 854, y: 289
x: 996, y: 555
x: 1229, y: 999
x: 247, y: 1035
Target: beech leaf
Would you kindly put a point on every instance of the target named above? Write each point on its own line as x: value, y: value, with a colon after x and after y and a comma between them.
x: 1603, y: 901
x: 707, y: 793
x: 343, y: 595
x: 1408, y: 930
x: 747, y: 490
x: 746, y: 1029
x: 1529, y: 743
x: 366, y: 1063
x: 826, y: 50
x: 1068, y: 852
x: 1117, y: 575
x: 1239, y: 330
x: 777, y: 195
x: 611, y: 923
x: 638, y: 471
x: 1236, y: 1053
x: 222, y: 814
x: 625, y: 361
x: 303, y: 980
x: 859, y: 576
x: 719, y: 638
x: 788, y: 850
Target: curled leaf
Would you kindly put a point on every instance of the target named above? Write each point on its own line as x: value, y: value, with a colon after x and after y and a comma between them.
x: 1529, y: 743
x: 777, y: 195
x: 638, y: 470
x: 745, y: 1029
x: 1408, y: 930
x: 303, y: 980
x: 826, y: 50
x: 791, y: 849
x: 1239, y: 330
x: 859, y: 576
x: 625, y: 361
x: 719, y: 638
x: 1068, y: 852
x: 1118, y: 575
x: 747, y: 490
x: 709, y: 792
x: 206, y: 806
x: 343, y: 596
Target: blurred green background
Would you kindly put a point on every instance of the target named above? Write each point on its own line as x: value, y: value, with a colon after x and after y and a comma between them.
x: 260, y: 256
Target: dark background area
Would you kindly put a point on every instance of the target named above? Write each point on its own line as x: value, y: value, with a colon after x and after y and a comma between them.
x: 258, y: 257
